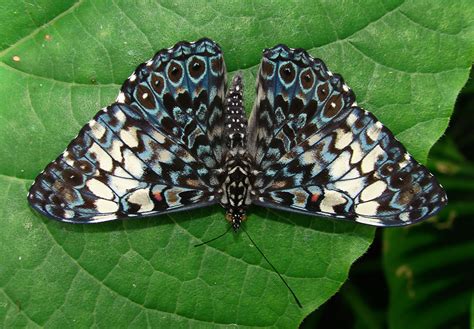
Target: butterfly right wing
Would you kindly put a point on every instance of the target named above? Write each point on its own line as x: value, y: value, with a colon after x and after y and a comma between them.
x: 152, y: 152
x: 317, y: 152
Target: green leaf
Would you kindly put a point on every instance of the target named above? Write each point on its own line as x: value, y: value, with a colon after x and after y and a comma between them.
x: 405, y: 61
x: 472, y: 310
x: 429, y: 266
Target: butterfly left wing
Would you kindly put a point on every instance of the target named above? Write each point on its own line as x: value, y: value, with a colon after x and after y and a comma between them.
x: 318, y: 153
x: 149, y: 153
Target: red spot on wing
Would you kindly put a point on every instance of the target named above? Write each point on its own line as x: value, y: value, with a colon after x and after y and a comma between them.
x: 158, y: 196
x: 314, y: 197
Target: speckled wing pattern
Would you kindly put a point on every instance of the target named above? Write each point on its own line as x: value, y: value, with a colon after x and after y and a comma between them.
x: 318, y: 153
x: 155, y: 150
x: 162, y: 147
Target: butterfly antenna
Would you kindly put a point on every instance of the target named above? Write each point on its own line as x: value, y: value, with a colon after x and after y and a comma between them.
x: 274, y: 269
x: 213, y: 239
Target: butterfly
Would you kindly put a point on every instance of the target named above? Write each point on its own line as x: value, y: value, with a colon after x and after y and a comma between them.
x: 177, y: 139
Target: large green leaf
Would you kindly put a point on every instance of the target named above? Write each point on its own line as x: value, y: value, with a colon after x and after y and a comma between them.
x: 406, y: 62
x: 429, y: 266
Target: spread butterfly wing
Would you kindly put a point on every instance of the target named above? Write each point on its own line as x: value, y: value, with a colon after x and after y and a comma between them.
x: 153, y: 151
x: 319, y: 153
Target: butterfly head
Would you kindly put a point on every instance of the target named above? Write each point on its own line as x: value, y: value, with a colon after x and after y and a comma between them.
x: 235, y: 216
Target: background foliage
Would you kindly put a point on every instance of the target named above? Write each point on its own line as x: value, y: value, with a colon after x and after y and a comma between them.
x: 61, y: 61
x: 419, y: 276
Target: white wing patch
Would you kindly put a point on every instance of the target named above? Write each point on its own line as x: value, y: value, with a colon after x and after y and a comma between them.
x: 106, y: 206
x: 368, y: 163
x: 331, y: 199
x: 141, y: 197
x: 341, y: 165
x: 100, y: 189
x: 373, y: 191
x: 103, y: 158
x: 97, y: 129
x: 343, y: 138
x: 367, y: 208
x: 351, y: 186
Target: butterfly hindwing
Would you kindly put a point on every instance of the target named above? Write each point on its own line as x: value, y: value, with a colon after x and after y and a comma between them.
x: 319, y: 153
x: 152, y: 151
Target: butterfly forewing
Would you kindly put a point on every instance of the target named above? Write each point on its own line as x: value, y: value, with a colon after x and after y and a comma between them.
x: 181, y: 92
x: 318, y: 153
x: 152, y: 152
